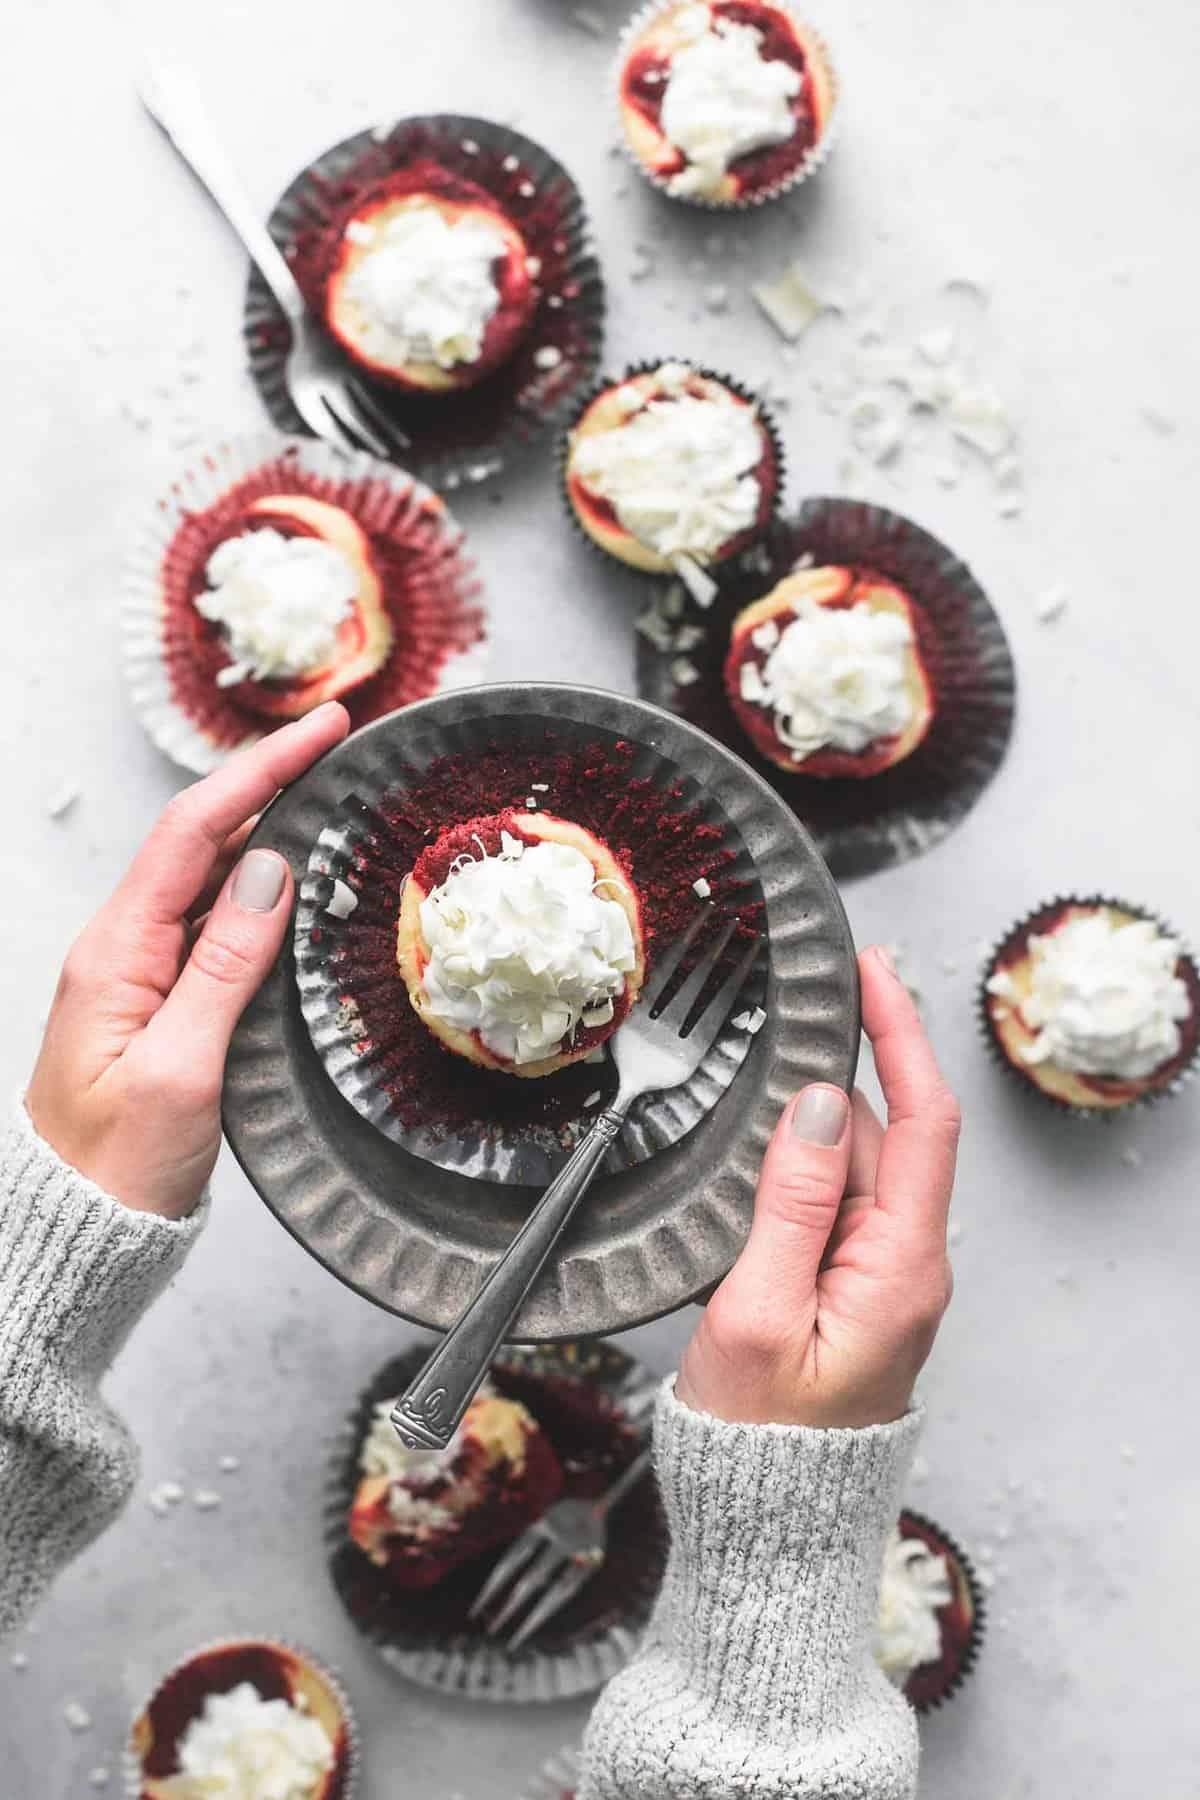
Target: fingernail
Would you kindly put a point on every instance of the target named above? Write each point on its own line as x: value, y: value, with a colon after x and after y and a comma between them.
x: 819, y: 1116
x: 883, y: 957
x: 259, y: 880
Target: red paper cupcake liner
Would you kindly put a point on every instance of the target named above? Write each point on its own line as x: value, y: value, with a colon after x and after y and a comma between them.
x: 1169, y: 1080
x: 465, y: 436
x: 596, y: 1405
x: 438, y: 620
x: 933, y: 1685
x: 863, y: 825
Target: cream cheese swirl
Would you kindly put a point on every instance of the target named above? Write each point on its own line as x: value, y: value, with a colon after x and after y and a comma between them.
x: 723, y: 99
x: 915, y: 1584
x: 835, y: 677
x: 524, y: 947
x: 1104, y: 997
x: 425, y: 287
x: 242, y: 1747
x: 281, y: 602
x: 678, y: 471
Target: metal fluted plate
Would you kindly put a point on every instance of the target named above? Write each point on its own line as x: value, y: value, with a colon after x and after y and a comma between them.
x: 860, y: 826
x: 530, y: 1156
x: 568, y: 1657
x: 419, y: 1240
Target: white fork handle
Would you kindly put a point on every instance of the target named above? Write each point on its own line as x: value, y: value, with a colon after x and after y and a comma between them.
x: 173, y: 104
x: 429, y: 1412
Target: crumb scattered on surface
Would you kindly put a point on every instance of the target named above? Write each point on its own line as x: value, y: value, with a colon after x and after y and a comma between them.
x: 229, y: 1465
x: 1052, y: 604
x: 62, y: 799
x: 206, y: 1499
x: 702, y: 886
x: 342, y: 901
x: 78, y: 1717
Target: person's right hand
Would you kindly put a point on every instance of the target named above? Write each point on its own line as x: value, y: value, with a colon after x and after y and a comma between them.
x: 829, y: 1313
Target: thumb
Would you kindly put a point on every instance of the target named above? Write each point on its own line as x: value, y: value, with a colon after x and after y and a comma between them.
x: 229, y: 959
x: 800, y: 1188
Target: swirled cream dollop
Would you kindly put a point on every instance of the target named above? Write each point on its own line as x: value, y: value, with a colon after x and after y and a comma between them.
x: 281, y: 602
x: 1104, y: 997
x: 723, y: 99
x: 915, y: 1584
x: 524, y: 947
x: 242, y: 1747
x: 679, y: 469
x: 835, y: 677
x: 425, y: 286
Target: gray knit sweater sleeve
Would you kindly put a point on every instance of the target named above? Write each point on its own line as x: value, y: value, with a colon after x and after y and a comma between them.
x: 76, y: 1271
x: 757, y: 1681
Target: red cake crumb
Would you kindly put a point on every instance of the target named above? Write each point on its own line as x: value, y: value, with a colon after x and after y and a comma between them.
x: 661, y: 846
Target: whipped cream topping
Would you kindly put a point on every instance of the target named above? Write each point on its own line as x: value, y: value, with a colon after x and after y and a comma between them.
x: 499, y: 1426
x: 1104, y: 997
x: 916, y: 1582
x: 723, y: 99
x: 424, y: 286
x: 679, y: 470
x: 242, y: 1747
x: 280, y: 601
x: 835, y: 677
x: 524, y: 948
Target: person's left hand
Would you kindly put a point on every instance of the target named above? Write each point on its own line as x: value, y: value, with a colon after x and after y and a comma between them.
x: 127, y: 1085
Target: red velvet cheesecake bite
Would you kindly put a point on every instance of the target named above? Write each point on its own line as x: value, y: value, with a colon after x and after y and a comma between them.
x: 418, y: 1514
x: 930, y: 1621
x: 672, y: 463
x: 724, y: 103
x: 520, y: 942
x: 825, y: 674
x: 429, y: 284
x: 235, y: 1713
x: 1093, y: 1004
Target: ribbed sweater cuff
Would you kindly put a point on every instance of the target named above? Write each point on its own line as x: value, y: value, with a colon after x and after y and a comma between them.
x: 76, y: 1267
x: 777, y: 1536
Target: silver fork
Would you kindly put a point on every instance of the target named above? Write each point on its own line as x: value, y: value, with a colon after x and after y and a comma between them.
x: 553, y: 1559
x: 653, y: 1050
x: 332, y: 404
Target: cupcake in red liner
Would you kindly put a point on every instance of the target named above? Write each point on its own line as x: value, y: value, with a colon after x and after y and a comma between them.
x: 277, y: 574
x: 724, y: 103
x: 449, y: 259
x: 1093, y: 1005
x: 672, y: 467
x: 232, y: 1709
x: 931, y: 1613
x: 412, y: 1536
x: 857, y: 664
x: 497, y: 1073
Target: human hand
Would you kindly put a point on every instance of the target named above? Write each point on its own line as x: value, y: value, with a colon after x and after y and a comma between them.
x: 829, y: 1313
x: 127, y: 1085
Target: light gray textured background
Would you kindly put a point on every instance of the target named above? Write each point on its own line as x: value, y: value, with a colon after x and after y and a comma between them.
x: 1046, y: 149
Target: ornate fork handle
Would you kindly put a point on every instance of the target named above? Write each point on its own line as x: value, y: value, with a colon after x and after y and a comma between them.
x: 428, y: 1414
x: 171, y: 101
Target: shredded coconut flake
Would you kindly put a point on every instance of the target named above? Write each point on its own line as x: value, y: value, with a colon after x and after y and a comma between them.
x: 702, y: 887
x: 790, y: 303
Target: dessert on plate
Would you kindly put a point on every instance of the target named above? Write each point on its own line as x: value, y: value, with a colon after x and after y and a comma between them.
x: 276, y: 575
x: 428, y: 282
x: 1093, y: 1003
x: 724, y: 103
x: 520, y: 941
x: 255, y: 1719
x: 930, y: 1620
x: 672, y: 463
x: 419, y: 1513
x: 826, y: 676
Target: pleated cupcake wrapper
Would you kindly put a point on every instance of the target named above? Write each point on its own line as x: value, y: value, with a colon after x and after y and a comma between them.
x: 743, y: 203
x: 131, y: 1767
x: 862, y: 825
x: 646, y: 366
x: 208, y: 477
x: 546, y: 396
x: 557, y: 1778
x: 1026, y: 1083
x: 481, y: 1668
x: 978, y: 1631
x: 530, y: 1156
